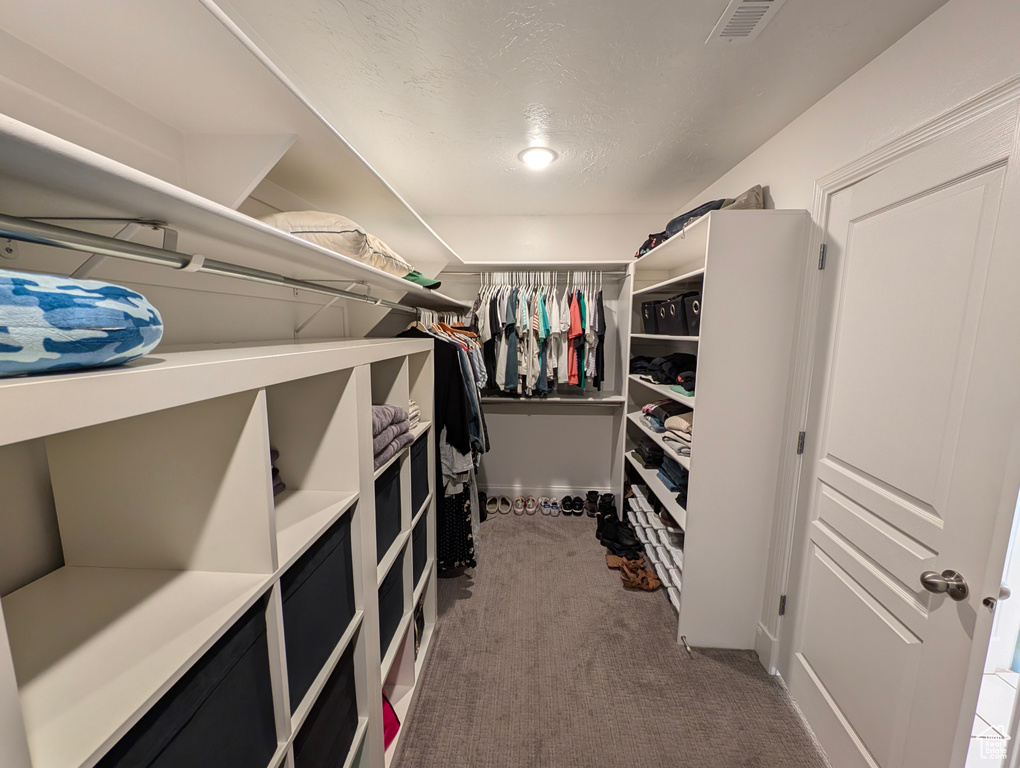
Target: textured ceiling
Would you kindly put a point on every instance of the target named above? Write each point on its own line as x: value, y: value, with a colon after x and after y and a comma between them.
x: 441, y: 95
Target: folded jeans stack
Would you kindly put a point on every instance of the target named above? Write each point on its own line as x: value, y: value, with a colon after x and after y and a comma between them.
x: 650, y: 452
x: 391, y: 432
x: 675, y: 478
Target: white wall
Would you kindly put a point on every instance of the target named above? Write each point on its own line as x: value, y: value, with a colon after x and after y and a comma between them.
x: 961, y: 50
x: 548, y: 238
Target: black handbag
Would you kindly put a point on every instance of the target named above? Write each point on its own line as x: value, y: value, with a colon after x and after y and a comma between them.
x: 649, y: 316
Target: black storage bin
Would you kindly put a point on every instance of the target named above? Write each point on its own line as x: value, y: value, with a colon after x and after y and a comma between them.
x: 327, y: 734
x: 387, y: 510
x: 692, y: 311
x: 672, y: 319
x: 650, y: 316
x: 419, y: 473
x: 420, y: 547
x: 318, y: 606
x: 391, y: 603
x: 219, y: 715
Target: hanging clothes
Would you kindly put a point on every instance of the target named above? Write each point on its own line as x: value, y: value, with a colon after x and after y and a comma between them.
x: 533, y: 340
x: 459, y: 433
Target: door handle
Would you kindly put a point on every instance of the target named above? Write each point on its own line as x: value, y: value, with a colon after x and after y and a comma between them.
x: 948, y: 582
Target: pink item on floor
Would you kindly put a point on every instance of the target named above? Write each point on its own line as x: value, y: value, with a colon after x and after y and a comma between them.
x: 390, y: 723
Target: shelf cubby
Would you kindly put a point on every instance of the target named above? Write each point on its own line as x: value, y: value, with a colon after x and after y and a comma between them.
x: 167, y: 535
x: 310, y: 425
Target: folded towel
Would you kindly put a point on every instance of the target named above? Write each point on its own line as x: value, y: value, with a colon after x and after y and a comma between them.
x: 388, y: 435
x: 384, y: 415
x: 402, y: 441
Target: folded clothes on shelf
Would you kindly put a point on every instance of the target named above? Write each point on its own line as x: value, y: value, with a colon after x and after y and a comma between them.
x: 650, y: 452
x: 413, y: 413
x: 391, y: 432
x: 385, y: 415
x: 652, y: 423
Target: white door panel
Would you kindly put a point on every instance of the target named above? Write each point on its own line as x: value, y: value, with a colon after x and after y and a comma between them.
x: 916, y: 438
x: 902, y: 556
x: 882, y: 655
x: 893, y: 406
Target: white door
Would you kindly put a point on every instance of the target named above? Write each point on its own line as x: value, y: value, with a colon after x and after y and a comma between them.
x: 913, y: 456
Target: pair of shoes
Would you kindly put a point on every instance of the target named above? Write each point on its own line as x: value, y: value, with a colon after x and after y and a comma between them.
x: 572, y: 505
x: 639, y: 576
x: 549, y: 506
x: 524, y: 504
x: 500, y: 504
x: 616, y: 562
x: 591, y: 503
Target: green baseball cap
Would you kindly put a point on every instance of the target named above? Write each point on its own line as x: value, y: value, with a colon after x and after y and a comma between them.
x: 426, y: 282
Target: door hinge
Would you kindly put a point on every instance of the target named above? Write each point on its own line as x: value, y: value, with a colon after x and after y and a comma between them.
x: 821, y: 256
x: 782, y: 605
x: 801, y: 438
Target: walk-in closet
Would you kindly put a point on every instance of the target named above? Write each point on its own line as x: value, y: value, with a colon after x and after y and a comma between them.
x: 558, y: 385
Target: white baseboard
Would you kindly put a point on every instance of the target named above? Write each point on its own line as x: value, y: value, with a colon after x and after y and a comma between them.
x: 767, y: 648
x: 553, y: 492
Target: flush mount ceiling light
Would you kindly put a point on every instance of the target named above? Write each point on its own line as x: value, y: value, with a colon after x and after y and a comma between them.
x: 537, y: 158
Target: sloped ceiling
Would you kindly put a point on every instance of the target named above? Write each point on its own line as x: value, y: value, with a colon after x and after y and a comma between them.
x: 440, y: 96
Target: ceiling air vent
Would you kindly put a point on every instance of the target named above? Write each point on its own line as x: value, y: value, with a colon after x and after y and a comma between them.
x: 743, y: 20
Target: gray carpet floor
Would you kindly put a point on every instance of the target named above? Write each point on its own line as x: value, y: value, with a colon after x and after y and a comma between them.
x: 542, y: 659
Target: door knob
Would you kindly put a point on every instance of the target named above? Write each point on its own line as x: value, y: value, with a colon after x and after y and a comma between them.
x: 948, y: 582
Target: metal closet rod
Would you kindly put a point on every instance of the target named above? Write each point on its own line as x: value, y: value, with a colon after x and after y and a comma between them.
x: 28, y: 231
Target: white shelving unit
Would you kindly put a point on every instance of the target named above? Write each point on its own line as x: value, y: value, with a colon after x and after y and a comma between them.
x: 153, y: 579
x: 746, y: 266
x: 32, y: 157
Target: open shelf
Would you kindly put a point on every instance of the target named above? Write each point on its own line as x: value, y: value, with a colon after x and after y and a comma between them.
x: 685, y: 248
x: 668, y: 500
x: 301, y: 713
x: 398, y: 638
x: 595, y: 399
x: 485, y: 267
x: 29, y: 153
x: 421, y: 429
x: 302, y: 516
x: 391, y: 555
x: 172, y: 376
x: 665, y: 286
x: 93, y: 648
x: 663, y: 390
x: 401, y: 698
x: 426, y: 640
x: 662, y: 337
x: 683, y: 461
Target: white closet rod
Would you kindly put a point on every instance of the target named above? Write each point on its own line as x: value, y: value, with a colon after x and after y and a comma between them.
x: 28, y: 231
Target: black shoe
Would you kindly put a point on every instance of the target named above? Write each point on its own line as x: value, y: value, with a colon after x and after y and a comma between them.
x: 577, y: 506
x: 607, y: 499
x: 591, y: 504
x: 567, y: 506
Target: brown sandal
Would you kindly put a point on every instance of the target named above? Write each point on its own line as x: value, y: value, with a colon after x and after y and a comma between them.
x: 639, y: 577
